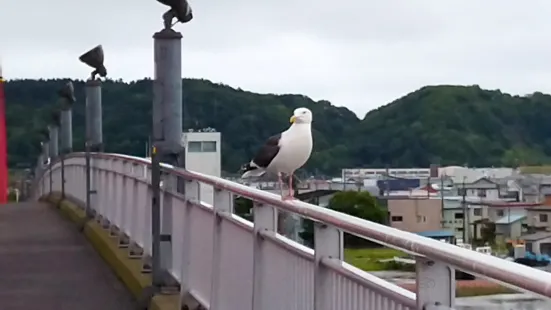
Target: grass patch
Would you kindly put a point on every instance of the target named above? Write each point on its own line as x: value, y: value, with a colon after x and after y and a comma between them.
x: 473, y: 288
x: 545, y: 169
x: 368, y: 259
x: 472, y: 291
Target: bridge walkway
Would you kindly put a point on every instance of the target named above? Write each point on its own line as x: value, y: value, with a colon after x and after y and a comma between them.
x: 45, y: 263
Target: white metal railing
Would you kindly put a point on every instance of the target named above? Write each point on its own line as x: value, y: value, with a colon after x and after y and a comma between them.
x: 226, y: 262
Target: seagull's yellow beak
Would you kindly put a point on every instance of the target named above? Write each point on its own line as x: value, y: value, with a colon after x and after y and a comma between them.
x: 293, y: 118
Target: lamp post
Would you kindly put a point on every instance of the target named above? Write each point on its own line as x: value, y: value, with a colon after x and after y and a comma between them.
x: 94, y: 132
x: 167, y: 131
x: 45, y: 156
x: 53, y: 133
x: 67, y: 97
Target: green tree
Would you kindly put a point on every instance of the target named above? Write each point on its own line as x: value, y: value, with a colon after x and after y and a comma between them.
x: 243, y: 207
x: 355, y: 203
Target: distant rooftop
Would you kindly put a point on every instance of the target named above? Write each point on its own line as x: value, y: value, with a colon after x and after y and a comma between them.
x: 536, y: 236
x: 514, y: 216
x: 437, y: 233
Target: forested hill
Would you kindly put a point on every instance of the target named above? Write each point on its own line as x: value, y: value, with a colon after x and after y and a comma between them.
x: 436, y: 124
x: 245, y: 119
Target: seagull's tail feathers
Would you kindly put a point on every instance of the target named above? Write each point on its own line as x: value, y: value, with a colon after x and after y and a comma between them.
x: 251, y: 170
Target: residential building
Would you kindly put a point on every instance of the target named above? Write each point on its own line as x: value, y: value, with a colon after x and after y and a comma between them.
x: 538, y: 243
x: 482, y: 187
x: 415, y: 214
x: 454, y: 216
x: 510, y: 226
x: 538, y: 218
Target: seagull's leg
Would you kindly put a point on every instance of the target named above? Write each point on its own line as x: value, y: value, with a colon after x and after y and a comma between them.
x: 291, y: 190
x: 280, y: 183
x: 290, y: 196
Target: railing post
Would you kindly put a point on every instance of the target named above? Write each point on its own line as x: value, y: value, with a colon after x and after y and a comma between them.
x: 265, y: 220
x: 156, y: 219
x: 88, y: 180
x: 328, y: 243
x: 223, y: 203
x: 435, y: 284
x: 49, y: 169
x: 191, y: 192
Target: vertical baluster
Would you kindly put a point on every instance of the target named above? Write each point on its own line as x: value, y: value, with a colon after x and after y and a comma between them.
x: 222, y: 203
x: 265, y: 220
x: 191, y: 193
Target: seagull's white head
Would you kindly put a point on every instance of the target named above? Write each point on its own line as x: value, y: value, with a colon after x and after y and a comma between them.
x: 301, y: 116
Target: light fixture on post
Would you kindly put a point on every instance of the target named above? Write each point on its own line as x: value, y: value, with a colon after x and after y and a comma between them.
x: 67, y: 98
x: 166, y: 137
x: 179, y: 9
x: 94, y: 133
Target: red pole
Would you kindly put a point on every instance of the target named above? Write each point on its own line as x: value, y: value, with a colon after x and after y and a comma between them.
x: 3, y: 145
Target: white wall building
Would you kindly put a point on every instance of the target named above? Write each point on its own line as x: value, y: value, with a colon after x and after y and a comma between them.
x: 203, y: 155
x: 378, y: 173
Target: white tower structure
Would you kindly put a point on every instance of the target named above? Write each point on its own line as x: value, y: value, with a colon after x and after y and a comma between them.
x: 203, y: 155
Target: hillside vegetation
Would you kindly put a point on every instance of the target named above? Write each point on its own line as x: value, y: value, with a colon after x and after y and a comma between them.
x: 436, y: 124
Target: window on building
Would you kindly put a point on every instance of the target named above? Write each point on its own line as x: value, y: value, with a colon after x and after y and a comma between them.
x: 543, y: 218
x: 481, y: 193
x: 458, y: 215
x: 477, y: 212
x: 500, y: 213
x: 209, y: 146
x: 396, y: 218
x: 194, y: 146
x: 421, y: 219
x: 201, y: 146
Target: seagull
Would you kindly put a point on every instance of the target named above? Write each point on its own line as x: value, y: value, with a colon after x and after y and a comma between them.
x: 285, y: 152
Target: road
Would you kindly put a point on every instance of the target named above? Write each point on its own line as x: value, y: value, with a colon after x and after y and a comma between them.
x: 503, y: 302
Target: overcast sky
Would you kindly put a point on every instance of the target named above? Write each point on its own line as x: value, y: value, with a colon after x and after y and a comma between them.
x: 356, y: 53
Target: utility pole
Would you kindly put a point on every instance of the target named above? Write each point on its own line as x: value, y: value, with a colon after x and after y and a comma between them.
x: 387, y: 181
x: 465, y: 214
x: 429, y: 187
x: 442, y: 196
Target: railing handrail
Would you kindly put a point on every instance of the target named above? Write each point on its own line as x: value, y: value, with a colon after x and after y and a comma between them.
x: 508, y: 273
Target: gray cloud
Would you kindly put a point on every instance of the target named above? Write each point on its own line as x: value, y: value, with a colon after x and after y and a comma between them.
x: 359, y: 54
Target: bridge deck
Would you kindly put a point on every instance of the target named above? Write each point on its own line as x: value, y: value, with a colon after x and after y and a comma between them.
x: 45, y: 263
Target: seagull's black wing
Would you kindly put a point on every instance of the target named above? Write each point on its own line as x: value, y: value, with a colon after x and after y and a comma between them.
x: 265, y: 154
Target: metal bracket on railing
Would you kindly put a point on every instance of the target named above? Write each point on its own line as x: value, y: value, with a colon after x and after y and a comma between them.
x: 437, y: 306
x: 435, y: 283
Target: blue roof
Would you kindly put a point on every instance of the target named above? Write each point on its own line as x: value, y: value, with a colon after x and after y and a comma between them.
x: 510, y: 219
x: 437, y: 233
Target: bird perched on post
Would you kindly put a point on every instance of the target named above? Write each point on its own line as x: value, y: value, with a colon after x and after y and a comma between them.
x: 285, y: 152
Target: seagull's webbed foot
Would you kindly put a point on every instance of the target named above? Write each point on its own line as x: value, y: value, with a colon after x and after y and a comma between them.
x: 287, y: 198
